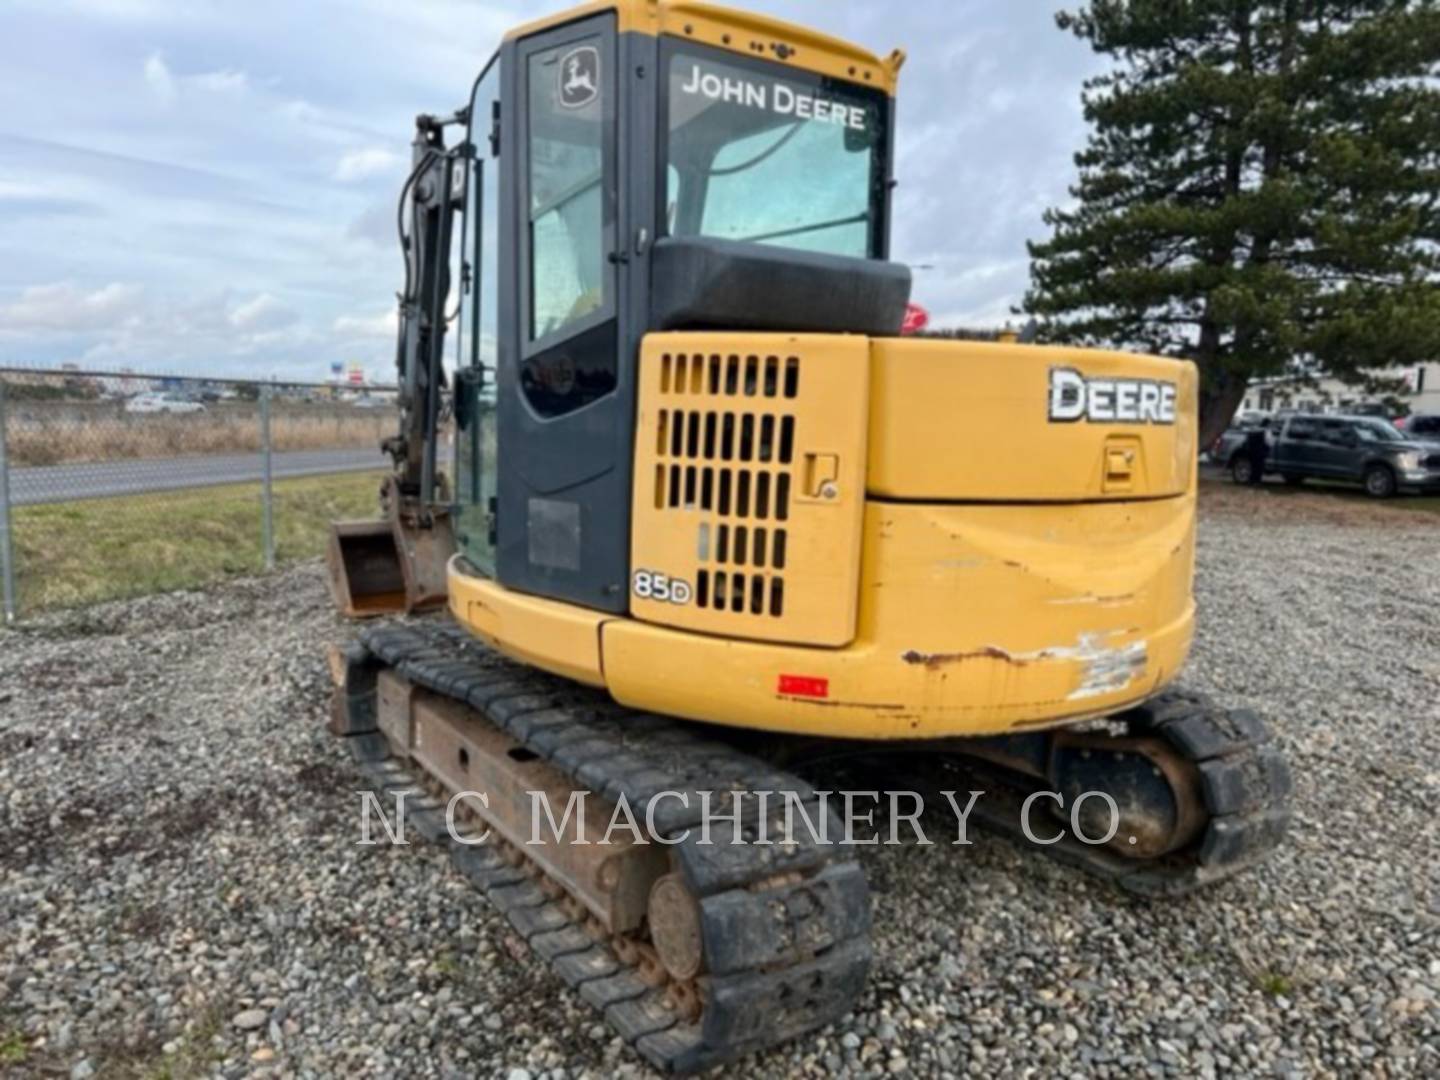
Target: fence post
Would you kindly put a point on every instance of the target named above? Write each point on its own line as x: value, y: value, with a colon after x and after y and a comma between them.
x: 7, y: 548
x: 267, y: 527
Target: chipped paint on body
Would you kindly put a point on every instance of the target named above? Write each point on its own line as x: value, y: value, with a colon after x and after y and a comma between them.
x: 1108, y: 670
x: 1091, y: 598
x: 1104, y: 668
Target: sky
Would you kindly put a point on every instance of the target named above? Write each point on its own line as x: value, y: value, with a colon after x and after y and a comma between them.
x: 209, y: 187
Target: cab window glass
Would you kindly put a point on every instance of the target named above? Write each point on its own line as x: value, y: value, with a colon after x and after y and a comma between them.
x: 756, y: 154
x: 566, y: 174
x: 478, y: 331
x: 817, y: 209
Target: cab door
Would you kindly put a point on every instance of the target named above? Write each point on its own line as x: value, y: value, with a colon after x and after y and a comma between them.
x: 563, y: 425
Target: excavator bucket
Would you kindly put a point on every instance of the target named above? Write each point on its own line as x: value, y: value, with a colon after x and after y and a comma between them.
x: 364, y: 565
x: 384, y: 567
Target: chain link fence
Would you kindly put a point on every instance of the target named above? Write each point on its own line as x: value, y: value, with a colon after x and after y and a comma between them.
x: 116, y: 484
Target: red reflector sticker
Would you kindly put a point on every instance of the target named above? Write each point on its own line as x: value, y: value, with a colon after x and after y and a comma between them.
x: 804, y: 686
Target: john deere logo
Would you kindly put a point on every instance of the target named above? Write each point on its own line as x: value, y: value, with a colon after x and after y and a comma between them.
x: 1074, y: 397
x: 580, y: 77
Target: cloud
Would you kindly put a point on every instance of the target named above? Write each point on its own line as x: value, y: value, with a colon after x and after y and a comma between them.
x: 159, y: 77
x: 105, y: 9
x: 376, y: 225
x: 117, y: 173
x: 168, y: 86
x: 37, y: 206
x: 221, y: 82
x: 301, y: 111
x: 14, y: 189
x: 264, y: 312
x: 242, y: 162
x: 65, y: 307
x: 124, y: 324
x: 364, y: 163
x: 383, y: 325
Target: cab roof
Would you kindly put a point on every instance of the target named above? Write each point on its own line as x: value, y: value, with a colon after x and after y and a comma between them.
x: 741, y: 32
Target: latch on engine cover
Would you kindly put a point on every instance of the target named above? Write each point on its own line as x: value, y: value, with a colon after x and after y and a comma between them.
x: 1123, y: 465
x: 821, y: 476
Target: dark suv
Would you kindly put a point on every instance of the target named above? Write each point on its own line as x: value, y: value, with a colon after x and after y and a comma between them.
x: 1362, y: 449
x: 1423, y: 426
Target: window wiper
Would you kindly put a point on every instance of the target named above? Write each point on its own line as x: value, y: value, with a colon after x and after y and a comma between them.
x: 570, y: 194
x: 731, y: 170
x: 799, y: 230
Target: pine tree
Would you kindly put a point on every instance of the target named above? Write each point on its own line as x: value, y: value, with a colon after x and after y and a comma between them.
x: 1260, y: 190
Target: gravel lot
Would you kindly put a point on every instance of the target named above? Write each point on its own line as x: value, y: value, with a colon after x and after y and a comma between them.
x: 181, y: 894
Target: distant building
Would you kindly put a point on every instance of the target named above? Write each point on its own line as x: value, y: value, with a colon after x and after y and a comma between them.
x: 1420, y: 392
x: 125, y: 384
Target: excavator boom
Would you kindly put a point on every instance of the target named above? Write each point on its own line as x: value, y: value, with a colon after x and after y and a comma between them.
x: 397, y: 563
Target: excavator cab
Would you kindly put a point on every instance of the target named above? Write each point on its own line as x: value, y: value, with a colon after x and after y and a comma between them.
x: 624, y: 182
x: 644, y: 168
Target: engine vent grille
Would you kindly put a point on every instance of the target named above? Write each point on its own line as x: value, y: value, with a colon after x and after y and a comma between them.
x: 732, y: 467
x: 749, y: 484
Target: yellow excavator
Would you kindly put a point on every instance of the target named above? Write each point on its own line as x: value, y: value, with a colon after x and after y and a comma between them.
x: 712, y: 526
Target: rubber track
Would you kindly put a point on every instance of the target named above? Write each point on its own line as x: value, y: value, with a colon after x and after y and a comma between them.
x: 781, y: 959
x: 1246, y: 785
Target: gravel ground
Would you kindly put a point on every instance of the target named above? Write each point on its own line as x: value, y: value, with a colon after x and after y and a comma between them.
x: 181, y: 894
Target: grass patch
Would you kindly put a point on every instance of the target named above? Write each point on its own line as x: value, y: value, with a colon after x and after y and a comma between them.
x: 1353, y: 493
x: 65, y: 433
x: 197, y: 1055
x: 13, y: 1050
x: 1317, y: 500
x: 1425, y: 504
x: 88, y: 551
x: 1275, y: 984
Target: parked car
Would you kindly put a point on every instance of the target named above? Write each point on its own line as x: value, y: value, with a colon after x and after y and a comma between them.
x: 1371, y: 408
x: 1421, y: 426
x: 1359, y: 449
x: 1222, y: 450
x: 162, y: 403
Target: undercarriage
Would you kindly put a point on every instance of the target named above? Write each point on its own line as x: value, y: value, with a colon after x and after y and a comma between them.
x: 699, y: 952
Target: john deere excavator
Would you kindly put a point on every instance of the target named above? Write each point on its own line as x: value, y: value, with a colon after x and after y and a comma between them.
x: 712, y: 521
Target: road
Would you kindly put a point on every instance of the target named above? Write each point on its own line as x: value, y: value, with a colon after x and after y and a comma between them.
x: 64, y: 483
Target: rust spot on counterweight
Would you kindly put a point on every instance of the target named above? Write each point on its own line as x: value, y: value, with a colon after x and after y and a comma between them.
x: 935, y: 661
